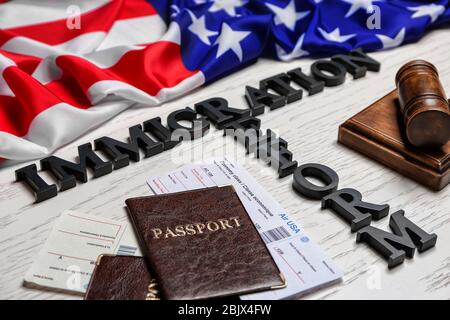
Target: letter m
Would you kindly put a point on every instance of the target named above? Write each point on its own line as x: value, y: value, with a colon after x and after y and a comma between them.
x: 402, y: 242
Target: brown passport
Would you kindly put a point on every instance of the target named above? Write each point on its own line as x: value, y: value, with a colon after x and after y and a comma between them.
x: 121, y: 278
x: 202, y: 244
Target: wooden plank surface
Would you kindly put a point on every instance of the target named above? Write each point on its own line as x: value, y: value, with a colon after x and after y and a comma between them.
x: 311, y: 127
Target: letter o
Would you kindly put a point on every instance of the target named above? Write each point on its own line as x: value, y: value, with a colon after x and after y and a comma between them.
x: 325, y: 174
x: 208, y: 225
x: 334, y: 68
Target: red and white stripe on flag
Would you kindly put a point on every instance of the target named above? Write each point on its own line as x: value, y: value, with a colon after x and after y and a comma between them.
x: 62, y: 74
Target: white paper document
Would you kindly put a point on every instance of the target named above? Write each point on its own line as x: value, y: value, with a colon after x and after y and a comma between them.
x: 302, y: 262
x: 68, y: 257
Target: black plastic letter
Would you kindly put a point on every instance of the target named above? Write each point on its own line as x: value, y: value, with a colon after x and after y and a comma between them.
x: 119, y: 152
x: 30, y: 176
x: 281, y: 85
x: 242, y: 125
x: 68, y: 172
x: 308, y: 82
x: 325, y: 174
x: 338, y: 72
x: 163, y: 134
x: 257, y: 99
x: 143, y: 141
x: 286, y: 166
x: 402, y: 242
x: 357, y: 63
x: 218, y: 112
x: 189, y: 115
x: 348, y: 204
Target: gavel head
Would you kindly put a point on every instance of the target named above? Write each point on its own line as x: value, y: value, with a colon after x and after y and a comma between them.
x: 423, y: 104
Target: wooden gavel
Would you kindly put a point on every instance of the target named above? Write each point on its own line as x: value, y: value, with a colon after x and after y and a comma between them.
x: 423, y: 104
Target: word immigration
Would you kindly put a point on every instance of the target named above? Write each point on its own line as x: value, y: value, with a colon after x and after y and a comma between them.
x: 152, y: 137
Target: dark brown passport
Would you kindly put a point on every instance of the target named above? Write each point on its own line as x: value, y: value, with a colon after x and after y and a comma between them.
x: 121, y: 278
x: 202, y: 244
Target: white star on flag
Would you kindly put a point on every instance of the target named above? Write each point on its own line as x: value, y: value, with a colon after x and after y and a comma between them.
x: 432, y: 10
x: 359, y: 4
x: 287, y: 15
x: 297, y: 52
x: 389, y: 42
x: 175, y: 10
x: 335, y: 35
x: 198, y: 27
x: 229, y: 6
x: 230, y: 39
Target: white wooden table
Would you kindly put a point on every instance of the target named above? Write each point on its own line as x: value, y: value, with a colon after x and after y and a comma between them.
x: 311, y: 127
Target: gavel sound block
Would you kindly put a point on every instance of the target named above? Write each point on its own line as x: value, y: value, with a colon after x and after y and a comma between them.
x: 379, y: 133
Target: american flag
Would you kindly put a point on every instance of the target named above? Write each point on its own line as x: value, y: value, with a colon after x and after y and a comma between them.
x: 67, y: 66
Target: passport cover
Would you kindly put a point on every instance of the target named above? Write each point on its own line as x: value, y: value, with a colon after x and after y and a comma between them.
x: 121, y: 278
x: 202, y: 244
